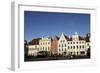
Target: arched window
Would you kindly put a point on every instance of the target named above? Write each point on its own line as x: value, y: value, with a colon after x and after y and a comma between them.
x: 65, y: 45
x: 73, y: 47
x: 62, y: 45
x: 77, y: 47
x: 80, y: 46
x: 63, y: 40
x: 83, y: 46
x: 68, y: 47
x: 59, y: 45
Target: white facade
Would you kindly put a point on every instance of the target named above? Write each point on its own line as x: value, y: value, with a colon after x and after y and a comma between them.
x: 32, y: 50
x: 74, y: 45
x: 62, y: 45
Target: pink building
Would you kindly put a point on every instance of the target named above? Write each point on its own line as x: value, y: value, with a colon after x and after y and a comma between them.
x: 54, y: 45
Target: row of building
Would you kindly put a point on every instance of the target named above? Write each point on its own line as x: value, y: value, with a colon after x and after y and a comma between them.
x: 63, y: 45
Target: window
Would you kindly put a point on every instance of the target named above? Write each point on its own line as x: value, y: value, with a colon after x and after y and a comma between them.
x: 77, y: 42
x: 59, y: 45
x: 73, y: 47
x: 73, y: 42
x: 46, y: 49
x: 68, y: 47
x: 62, y: 45
x: 65, y: 49
x: 71, y: 53
x: 83, y: 46
x: 65, y: 45
x: 87, y: 44
x: 77, y: 53
x: 48, y: 43
x: 77, y: 47
x: 82, y: 52
x: 80, y: 42
x: 63, y: 40
x: 80, y: 46
x: 62, y: 49
x: 59, y: 49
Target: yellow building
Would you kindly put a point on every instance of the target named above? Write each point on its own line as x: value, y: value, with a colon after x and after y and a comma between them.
x: 45, y: 44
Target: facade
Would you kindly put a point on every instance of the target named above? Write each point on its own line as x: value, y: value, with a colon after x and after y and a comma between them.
x: 33, y: 50
x: 45, y: 44
x: 77, y: 45
x: 62, y: 44
x: 74, y: 45
x: 54, y: 45
x: 33, y: 47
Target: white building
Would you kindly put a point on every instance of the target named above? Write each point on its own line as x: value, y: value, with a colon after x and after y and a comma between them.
x: 77, y: 45
x: 74, y: 45
x: 62, y: 44
x: 33, y: 47
x: 33, y: 50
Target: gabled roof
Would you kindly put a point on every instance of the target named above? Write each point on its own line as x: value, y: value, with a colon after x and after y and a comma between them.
x: 70, y: 39
x: 81, y: 38
x: 55, y: 37
x: 34, y: 41
x: 67, y: 38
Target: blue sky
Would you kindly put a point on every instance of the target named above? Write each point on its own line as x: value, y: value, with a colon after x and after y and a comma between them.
x: 47, y: 24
